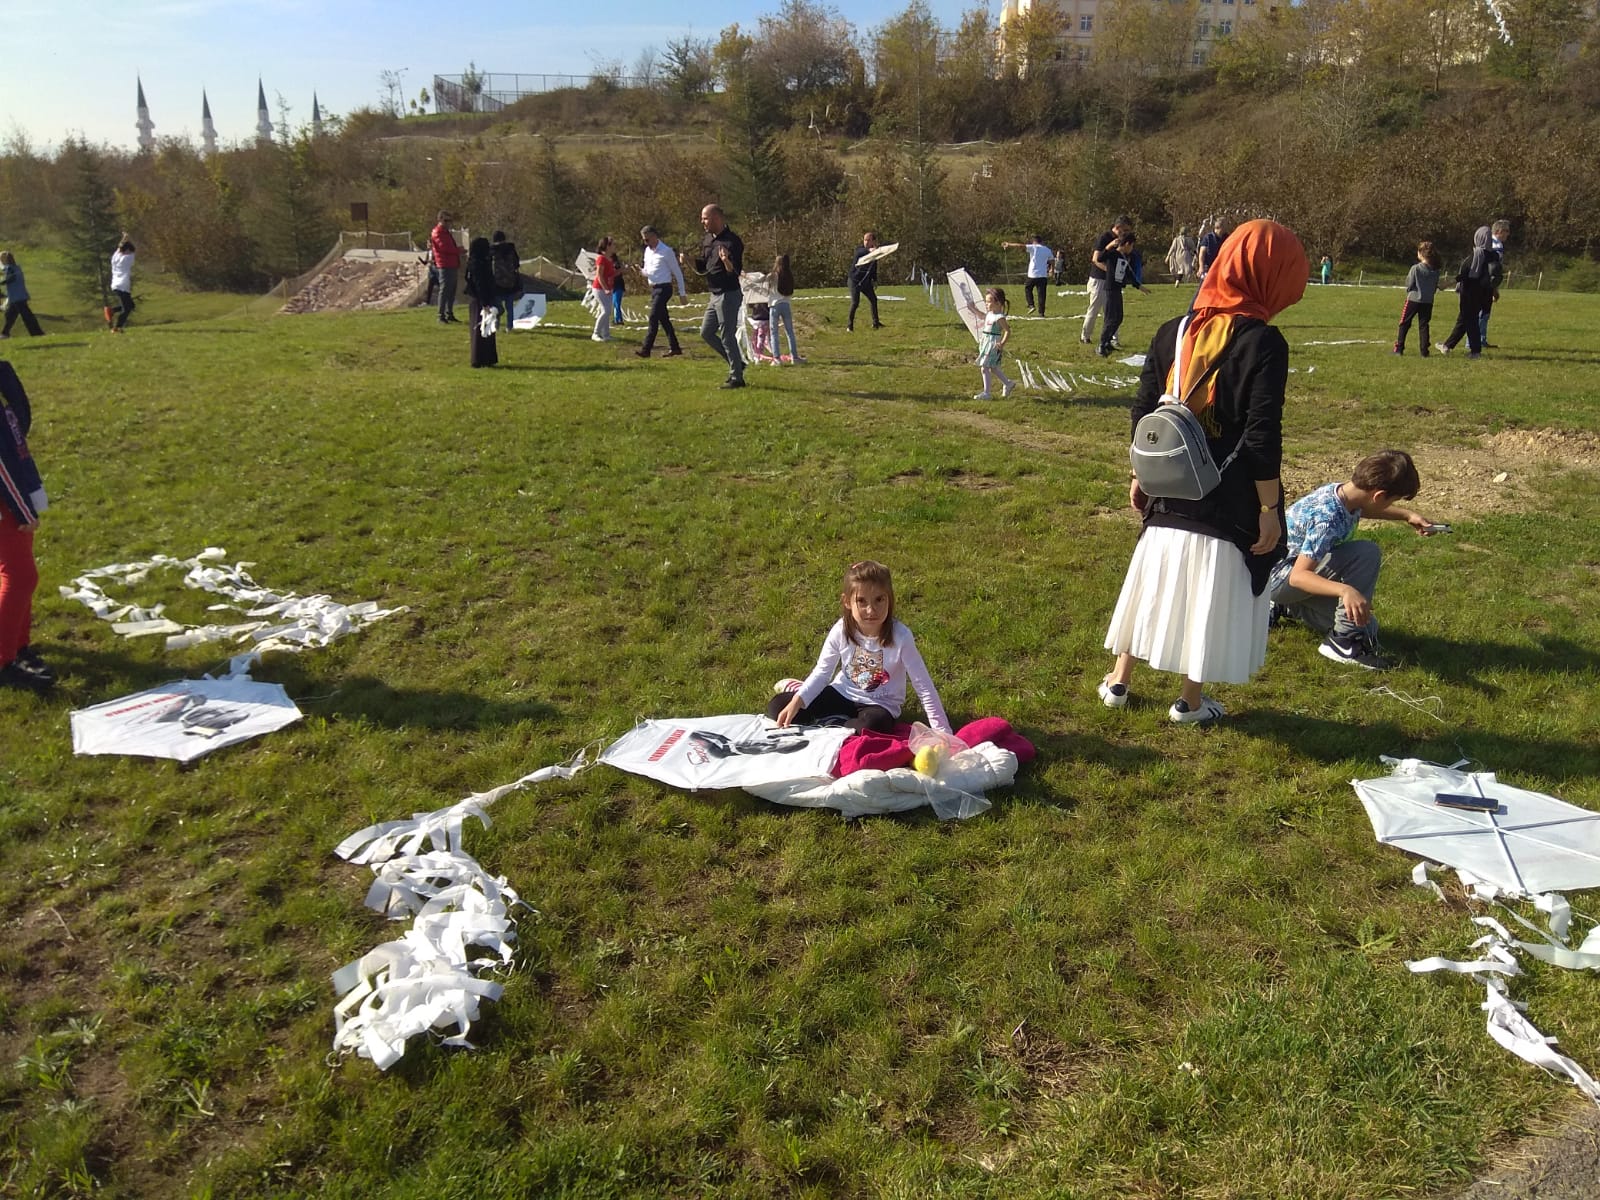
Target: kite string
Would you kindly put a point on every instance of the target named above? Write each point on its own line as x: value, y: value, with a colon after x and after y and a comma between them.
x: 1420, y: 703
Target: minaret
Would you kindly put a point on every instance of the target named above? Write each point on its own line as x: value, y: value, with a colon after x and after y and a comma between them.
x: 316, y: 117
x: 263, y: 120
x: 208, y: 131
x: 145, y: 126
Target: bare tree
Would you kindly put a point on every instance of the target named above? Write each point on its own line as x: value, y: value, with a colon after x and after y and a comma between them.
x: 393, y: 84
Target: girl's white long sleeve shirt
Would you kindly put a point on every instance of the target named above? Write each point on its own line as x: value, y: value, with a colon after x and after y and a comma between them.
x: 872, y: 673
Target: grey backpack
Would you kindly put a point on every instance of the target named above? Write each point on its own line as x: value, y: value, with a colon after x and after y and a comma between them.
x: 1170, y: 455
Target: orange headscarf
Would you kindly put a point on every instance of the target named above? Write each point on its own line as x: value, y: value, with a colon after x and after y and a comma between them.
x: 1260, y: 271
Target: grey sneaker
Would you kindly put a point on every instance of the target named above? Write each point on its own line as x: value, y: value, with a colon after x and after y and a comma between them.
x: 1113, y: 695
x: 1356, y: 651
x: 1207, y: 710
x: 1441, y: 348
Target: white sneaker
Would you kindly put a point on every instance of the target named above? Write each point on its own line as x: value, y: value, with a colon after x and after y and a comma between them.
x: 786, y: 685
x: 595, y: 337
x: 983, y: 396
x: 1441, y: 348
x: 1182, y: 714
x: 1005, y: 390
x: 1111, y: 696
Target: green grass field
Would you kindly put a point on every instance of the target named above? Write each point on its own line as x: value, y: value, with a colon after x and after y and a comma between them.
x: 1168, y: 962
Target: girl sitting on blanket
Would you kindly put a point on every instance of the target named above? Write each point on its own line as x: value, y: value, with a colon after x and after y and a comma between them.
x: 869, y: 656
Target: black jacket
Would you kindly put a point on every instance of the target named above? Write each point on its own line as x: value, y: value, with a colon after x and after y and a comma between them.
x: 21, y: 490
x: 718, y: 277
x: 1250, y: 383
x: 860, y: 276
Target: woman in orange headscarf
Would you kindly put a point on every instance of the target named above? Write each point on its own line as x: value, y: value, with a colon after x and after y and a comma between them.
x: 1193, y: 601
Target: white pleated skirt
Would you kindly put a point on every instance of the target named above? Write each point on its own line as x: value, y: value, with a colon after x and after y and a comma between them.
x: 1186, y: 607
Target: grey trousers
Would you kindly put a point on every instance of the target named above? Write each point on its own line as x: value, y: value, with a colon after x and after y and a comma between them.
x: 720, y: 330
x: 1356, y: 563
x: 447, y: 291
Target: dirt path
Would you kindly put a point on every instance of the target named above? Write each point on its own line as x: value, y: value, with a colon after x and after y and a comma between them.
x: 1561, y: 1165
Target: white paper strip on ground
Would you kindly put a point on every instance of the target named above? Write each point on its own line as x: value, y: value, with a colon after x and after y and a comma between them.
x: 425, y: 981
x: 302, y: 621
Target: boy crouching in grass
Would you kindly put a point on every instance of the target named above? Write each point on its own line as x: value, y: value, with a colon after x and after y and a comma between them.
x: 1327, y: 580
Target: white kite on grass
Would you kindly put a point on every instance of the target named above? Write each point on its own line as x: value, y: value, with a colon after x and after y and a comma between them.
x: 429, y: 980
x: 1505, y: 843
x: 183, y: 720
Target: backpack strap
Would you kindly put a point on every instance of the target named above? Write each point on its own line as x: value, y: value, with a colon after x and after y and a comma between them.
x: 1177, y: 374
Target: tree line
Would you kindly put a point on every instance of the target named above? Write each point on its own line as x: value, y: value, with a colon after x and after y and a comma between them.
x: 1367, y: 125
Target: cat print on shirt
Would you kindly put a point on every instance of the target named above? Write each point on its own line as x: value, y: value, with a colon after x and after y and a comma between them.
x: 866, y: 669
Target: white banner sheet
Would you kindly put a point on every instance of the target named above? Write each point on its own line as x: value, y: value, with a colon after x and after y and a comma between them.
x: 183, y: 720
x: 735, y: 751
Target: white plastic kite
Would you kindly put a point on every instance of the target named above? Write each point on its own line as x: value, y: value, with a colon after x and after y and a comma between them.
x: 429, y: 981
x: 877, y: 252
x: 795, y: 766
x: 968, y: 297
x: 1529, y: 844
x: 529, y: 310
x: 183, y: 720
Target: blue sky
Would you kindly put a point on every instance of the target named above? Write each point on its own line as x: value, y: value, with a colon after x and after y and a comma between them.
x: 69, y: 66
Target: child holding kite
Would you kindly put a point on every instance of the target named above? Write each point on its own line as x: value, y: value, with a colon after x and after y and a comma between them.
x: 869, y: 656
x: 993, y: 335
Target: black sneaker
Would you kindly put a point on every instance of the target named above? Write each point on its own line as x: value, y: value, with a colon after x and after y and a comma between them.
x: 1277, y: 614
x: 29, y: 658
x: 732, y: 383
x: 15, y: 675
x: 1358, y: 651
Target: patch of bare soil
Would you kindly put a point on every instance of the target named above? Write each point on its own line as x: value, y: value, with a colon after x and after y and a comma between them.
x: 349, y: 284
x: 972, y: 481
x: 1563, y: 1165
x: 1497, y: 477
x: 1011, y: 433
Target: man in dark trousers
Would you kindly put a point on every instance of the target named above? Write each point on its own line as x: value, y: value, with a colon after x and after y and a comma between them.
x: 720, y: 260
x: 863, y: 281
x: 661, y: 271
x: 1097, y: 274
x: 447, y: 257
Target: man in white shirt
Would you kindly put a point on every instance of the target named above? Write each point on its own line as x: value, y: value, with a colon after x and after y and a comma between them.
x: 1040, y: 258
x: 122, y: 280
x: 662, y: 273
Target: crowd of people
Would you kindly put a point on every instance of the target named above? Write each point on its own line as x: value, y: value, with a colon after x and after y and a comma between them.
x: 1209, y: 575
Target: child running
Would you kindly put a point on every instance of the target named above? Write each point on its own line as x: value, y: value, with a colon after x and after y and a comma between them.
x: 869, y: 656
x: 992, y: 338
x: 1328, y: 579
x: 1421, y: 284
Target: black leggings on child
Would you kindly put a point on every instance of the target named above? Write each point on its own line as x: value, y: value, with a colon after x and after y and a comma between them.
x: 830, y: 705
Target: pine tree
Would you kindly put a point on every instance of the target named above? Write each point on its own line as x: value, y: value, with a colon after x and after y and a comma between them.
x: 91, y: 223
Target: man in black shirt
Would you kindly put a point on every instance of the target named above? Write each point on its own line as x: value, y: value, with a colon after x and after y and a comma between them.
x: 1097, y: 274
x: 720, y: 260
x: 863, y: 281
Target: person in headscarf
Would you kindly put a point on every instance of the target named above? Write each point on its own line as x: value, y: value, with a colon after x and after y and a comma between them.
x: 484, y: 296
x: 1193, y: 601
x: 1477, y: 281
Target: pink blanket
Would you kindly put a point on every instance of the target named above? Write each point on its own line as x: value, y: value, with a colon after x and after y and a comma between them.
x: 870, y: 751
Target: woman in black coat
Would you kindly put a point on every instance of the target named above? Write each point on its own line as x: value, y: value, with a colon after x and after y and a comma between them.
x: 484, y: 296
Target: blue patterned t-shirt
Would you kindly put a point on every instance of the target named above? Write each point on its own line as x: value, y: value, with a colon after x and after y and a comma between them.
x: 1317, y: 523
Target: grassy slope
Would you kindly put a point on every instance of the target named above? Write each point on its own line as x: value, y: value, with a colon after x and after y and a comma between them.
x: 721, y: 997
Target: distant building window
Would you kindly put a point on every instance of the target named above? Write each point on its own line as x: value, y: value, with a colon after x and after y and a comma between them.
x: 1202, y: 29
x: 1249, y: 1
x: 1085, y: 24
x: 1224, y: 28
x: 1198, y: 58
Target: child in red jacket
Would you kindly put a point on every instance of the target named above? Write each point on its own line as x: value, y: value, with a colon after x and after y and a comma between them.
x: 22, y: 499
